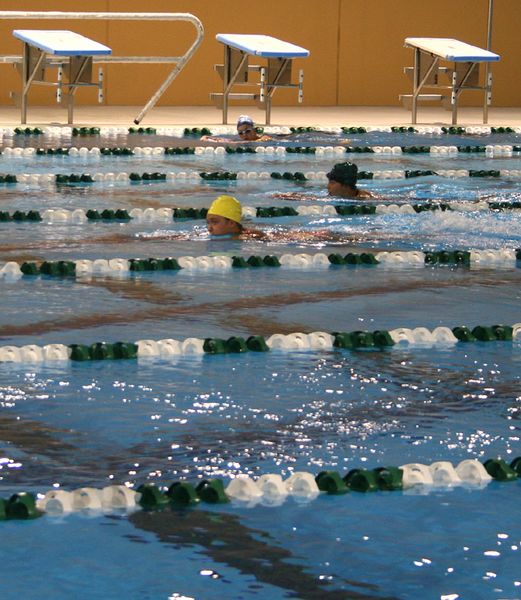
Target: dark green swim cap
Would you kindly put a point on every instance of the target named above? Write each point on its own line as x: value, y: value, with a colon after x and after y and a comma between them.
x: 345, y: 173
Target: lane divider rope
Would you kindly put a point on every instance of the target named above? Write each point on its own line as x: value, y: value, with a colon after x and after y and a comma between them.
x: 122, y: 266
x: 69, y: 132
x: 317, y: 340
x: 148, y: 215
x: 298, y: 177
x: 268, y: 490
x: 490, y: 150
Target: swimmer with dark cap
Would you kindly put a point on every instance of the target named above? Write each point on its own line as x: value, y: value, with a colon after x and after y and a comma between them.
x: 342, y: 181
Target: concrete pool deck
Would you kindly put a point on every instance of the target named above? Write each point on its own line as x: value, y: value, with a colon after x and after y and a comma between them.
x: 197, y: 116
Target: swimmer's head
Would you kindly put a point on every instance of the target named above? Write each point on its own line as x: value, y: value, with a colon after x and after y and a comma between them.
x: 244, y: 120
x: 246, y: 128
x: 345, y: 173
x: 224, y: 216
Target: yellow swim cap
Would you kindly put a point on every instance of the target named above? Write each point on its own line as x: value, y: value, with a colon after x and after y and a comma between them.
x: 227, y: 207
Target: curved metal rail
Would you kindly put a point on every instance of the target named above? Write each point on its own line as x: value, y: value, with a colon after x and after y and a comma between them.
x: 179, y: 61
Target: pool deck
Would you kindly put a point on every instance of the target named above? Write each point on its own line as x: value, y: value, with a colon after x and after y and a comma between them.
x: 197, y: 116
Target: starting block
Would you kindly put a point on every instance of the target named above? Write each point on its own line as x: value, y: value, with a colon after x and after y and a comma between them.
x: 462, y: 75
x: 66, y: 50
x: 275, y: 74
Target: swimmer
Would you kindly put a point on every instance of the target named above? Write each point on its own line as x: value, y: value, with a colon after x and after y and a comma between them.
x: 224, y: 219
x: 342, y: 180
x: 245, y: 130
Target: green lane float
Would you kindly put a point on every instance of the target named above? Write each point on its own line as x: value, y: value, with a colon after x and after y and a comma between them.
x: 418, y: 173
x: 300, y: 150
x: 60, y: 268
x: 357, y: 340
x: 389, y: 478
x: 21, y: 506
x: 137, y: 177
x: 212, y: 491
x: 182, y: 493
x: 152, y: 498
x: 359, y: 150
x: 354, y: 130
x: 453, y: 130
x: 63, y: 179
x: 403, y: 129
x: 361, y: 480
x: 108, y: 215
x: 190, y: 213
x: 331, y: 483
x: 8, y: 178
x: 85, y: 131
x: 270, y: 212
x: 196, y: 131
x: 484, y: 173
x: 103, y: 351
x: 288, y: 176
x: 240, y: 150
x: 218, y: 176
x: 303, y: 129
x: 179, y: 150
x: 500, y: 470
x: 28, y: 131
x: 142, y: 130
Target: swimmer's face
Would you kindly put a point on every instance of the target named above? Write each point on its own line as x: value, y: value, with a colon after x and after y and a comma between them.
x: 335, y: 188
x: 218, y: 225
x: 340, y: 190
x: 247, y: 132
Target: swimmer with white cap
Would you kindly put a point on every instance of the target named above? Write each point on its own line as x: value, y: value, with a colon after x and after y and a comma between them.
x: 246, y: 131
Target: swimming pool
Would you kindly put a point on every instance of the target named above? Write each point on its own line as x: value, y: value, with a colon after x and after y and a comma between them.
x: 70, y: 424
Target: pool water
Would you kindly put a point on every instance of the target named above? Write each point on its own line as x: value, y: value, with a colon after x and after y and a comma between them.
x: 75, y: 424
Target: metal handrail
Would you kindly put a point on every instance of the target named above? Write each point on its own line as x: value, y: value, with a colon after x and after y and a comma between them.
x: 180, y: 61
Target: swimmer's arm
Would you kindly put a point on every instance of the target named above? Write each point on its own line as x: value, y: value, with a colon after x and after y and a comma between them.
x: 291, y: 196
x: 253, y: 234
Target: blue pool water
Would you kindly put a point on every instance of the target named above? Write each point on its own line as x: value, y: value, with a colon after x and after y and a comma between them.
x: 75, y: 424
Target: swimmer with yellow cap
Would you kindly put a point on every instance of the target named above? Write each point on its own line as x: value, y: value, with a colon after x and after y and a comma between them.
x: 224, y: 216
x: 224, y: 219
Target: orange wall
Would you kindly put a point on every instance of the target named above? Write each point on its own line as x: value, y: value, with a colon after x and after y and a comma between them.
x: 356, y: 46
x: 372, y: 53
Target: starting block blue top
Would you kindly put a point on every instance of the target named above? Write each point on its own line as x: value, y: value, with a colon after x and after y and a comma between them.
x: 262, y: 45
x: 452, y: 50
x: 61, y: 42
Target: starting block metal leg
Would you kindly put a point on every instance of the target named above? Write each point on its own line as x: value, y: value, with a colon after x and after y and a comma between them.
x: 262, y: 87
x: 28, y: 74
x: 488, y: 93
x: 230, y: 74
x: 100, y: 85
x: 274, y: 80
x: 78, y: 66
x: 418, y: 80
x: 59, y: 84
x: 454, y: 100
